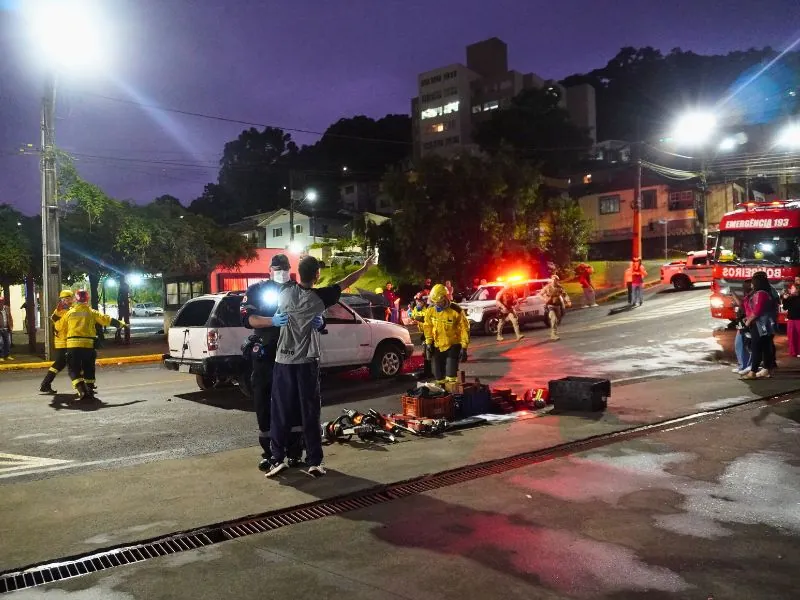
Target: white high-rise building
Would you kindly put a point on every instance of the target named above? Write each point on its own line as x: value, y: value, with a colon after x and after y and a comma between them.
x: 451, y: 100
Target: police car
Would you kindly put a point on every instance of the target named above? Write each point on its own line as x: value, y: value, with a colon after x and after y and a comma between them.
x: 206, y: 338
x: 481, y: 307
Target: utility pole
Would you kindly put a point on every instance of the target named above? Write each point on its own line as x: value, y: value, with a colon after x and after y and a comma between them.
x: 291, y: 208
x: 51, y: 244
x: 637, y: 204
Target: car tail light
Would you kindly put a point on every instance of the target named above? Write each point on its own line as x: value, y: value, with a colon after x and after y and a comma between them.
x: 717, y: 301
x: 212, y: 339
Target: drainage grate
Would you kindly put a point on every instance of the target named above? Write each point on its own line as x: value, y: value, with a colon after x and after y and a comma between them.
x: 117, y: 556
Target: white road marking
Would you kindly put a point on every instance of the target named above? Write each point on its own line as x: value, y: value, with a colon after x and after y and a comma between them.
x: 20, y: 462
x: 73, y: 464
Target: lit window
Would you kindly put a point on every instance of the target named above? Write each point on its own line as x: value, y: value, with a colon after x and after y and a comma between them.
x: 587, y: 178
x: 438, y: 128
x: 609, y: 204
x: 451, y: 107
x: 491, y: 105
x: 476, y: 109
x: 430, y: 113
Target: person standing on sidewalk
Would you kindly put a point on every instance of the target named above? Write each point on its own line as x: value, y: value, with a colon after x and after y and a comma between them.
x: 394, y: 302
x: 791, y: 303
x: 638, y: 273
x: 742, y: 342
x: 296, y: 372
x: 258, y: 313
x: 761, y: 309
x: 6, y: 327
x: 506, y: 302
x: 585, y: 279
x: 65, y: 301
x: 79, y: 326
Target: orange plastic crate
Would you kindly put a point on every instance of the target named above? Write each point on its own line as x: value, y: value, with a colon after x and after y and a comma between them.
x: 440, y: 407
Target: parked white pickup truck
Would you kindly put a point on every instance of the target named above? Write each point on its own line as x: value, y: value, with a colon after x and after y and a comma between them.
x: 683, y: 274
x: 206, y: 338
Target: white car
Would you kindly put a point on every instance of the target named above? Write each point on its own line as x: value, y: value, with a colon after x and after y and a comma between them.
x: 207, y: 335
x: 481, y: 307
x: 348, y: 258
x: 146, y: 309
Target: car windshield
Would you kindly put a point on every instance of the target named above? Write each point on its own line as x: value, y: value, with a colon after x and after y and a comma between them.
x: 486, y: 292
x: 759, y: 247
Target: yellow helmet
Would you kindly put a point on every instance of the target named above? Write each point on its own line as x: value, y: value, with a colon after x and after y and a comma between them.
x: 378, y: 290
x: 66, y: 294
x: 438, y: 293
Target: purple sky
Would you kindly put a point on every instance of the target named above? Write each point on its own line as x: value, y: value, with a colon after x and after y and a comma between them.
x: 305, y: 64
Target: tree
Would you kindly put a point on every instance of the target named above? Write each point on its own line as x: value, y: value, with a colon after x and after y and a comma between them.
x: 457, y: 216
x: 15, y: 250
x: 537, y: 129
x: 640, y: 89
x: 253, y: 172
x: 567, y: 234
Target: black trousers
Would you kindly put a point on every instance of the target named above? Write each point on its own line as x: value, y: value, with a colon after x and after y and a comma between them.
x: 629, y: 285
x: 60, y: 361
x: 296, y: 386
x: 261, y: 380
x: 763, y: 351
x: 445, y: 363
x: 80, y: 365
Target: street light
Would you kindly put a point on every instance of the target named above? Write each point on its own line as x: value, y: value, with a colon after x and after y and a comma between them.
x: 694, y: 128
x: 298, y: 197
x: 68, y: 37
x: 789, y: 136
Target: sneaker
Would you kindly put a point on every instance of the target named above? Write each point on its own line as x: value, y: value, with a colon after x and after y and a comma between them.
x: 737, y: 370
x: 500, y: 338
x: 554, y: 338
x: 763, y: 374
x: 519, y: 337
x: 744, y: 371
x: 9, y: 358
x: 294, y: 462
x: 265, y: 465
x: 316, y: 471
x: 749, y: 375
x: 595, y: 305
x: 276, y: 467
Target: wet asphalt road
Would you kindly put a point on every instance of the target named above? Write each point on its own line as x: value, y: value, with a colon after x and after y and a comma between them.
x: 148, y: 413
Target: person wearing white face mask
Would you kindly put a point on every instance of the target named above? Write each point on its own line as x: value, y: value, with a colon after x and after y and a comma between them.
x: 258, y: 313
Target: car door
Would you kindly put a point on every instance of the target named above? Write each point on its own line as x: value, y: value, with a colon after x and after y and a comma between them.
x: 700, y: 269
x: 346, y: 340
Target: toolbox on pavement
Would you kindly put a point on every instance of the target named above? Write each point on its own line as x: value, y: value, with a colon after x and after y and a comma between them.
x: 585, y: 394
x: 429, y: 407
x: 475, y: 400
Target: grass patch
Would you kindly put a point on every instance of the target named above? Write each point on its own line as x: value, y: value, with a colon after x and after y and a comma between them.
x: 375, y: 277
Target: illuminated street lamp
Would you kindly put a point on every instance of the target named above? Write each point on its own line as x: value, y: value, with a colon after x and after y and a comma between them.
x: 694, y: 128
x: 67, y: 37
x: 298, y: 197
x: 789, y: 136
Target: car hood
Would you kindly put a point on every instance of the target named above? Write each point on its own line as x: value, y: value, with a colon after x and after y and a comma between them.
x: 386, y: 329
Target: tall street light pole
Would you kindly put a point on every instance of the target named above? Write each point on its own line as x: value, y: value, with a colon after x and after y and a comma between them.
x: 51, y: 244
x: 637, y: 204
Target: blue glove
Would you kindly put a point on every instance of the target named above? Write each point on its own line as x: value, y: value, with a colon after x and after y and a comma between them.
x: 317, y: 322
x: 280, y: 320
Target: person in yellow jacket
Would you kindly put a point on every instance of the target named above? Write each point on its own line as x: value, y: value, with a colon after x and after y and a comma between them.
x: 66, y: 298
x: 446, y: 331
x: 78, y: 326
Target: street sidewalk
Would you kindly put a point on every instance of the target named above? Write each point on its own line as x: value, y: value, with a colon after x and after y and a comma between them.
x: 140, y: 350
x: 71, y: 514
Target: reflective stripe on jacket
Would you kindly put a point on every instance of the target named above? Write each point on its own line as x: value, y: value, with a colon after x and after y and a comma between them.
x: 78, y: 325
x: 446, y: 328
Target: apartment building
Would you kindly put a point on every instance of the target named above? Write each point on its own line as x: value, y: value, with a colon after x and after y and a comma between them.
x: 453, y: 99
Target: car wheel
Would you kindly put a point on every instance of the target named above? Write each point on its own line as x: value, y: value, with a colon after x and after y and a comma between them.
x: 148, y: 314
x: 206, y: 382
x: 387, y: 362
x: 490, y: 323
x: 681, y: 283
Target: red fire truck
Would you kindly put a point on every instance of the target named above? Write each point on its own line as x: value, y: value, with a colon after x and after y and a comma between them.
x: 757, y: 236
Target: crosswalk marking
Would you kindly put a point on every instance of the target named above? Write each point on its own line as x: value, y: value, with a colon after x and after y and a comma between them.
x: 20, y: 462
x: 641, y: 314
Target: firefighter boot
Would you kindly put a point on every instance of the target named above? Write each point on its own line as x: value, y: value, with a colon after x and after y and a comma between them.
x: 45, y: 388
x: 83, y: 392
x: 515, y: 325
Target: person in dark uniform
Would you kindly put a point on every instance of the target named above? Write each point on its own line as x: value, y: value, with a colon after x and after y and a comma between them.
x: 258, y: 313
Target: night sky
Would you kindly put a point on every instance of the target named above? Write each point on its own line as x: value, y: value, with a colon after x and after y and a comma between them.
x: 306, y: 63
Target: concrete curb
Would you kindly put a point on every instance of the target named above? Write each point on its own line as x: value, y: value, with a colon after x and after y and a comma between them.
x: 103, y: 362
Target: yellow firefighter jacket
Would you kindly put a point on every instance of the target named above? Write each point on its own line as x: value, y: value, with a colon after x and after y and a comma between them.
x: 60, y: 340
x: 417, y: 314
x: 78, y: 325
x: 446, y: 328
